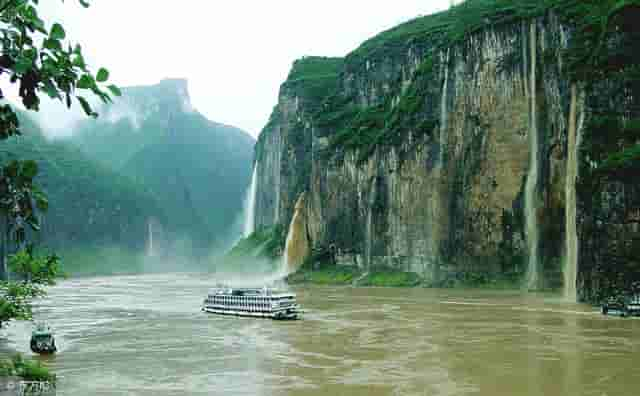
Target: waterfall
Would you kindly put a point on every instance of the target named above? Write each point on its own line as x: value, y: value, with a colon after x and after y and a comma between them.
x: 443, y: 110
x: 150, y: 249
x: 250, y: 204
x: 369, y: 237
x: 571, y: 249
x: 297, y: 246
x: 533, y: 275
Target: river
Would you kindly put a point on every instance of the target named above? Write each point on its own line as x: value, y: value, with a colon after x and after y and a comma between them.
x: 145, y: 335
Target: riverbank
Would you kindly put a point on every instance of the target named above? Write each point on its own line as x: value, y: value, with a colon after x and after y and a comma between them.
x: 353, y: 276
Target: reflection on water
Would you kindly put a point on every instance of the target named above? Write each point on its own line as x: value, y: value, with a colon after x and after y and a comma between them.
x: 145, y: 335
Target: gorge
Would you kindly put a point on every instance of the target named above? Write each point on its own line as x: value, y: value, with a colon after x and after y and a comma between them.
x: 117, y: 204
x: 483, y: 142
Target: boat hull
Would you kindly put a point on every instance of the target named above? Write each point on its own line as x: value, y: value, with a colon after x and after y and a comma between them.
x: 277, y: 315
x: 43, y: 348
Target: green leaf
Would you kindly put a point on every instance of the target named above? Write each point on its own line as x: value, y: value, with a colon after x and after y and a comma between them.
x: 84, y: 3
x: 52, y: 44
x: 114, y: 90
x: 86, y: 82
x: 33, y: 222
x: 41, y: 201
x: 29, y: 169
x: 103, y: 75
x: 78, y: 61
x: 22, y: 65
x: 86, y: 107
x: 57, y: 32
x: 11, y: 170
x: 51, y: 90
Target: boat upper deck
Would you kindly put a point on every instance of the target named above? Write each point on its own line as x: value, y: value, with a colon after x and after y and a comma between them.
x: 250, y: 292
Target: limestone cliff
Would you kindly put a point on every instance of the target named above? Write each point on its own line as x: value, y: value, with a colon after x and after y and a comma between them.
x: 417, y: 149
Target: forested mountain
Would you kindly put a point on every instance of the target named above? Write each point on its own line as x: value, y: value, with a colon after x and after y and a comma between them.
x: 196, y: 169
x: 90, y: 206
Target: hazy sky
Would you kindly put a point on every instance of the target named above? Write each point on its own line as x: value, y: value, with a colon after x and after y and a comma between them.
x: 235, y: 54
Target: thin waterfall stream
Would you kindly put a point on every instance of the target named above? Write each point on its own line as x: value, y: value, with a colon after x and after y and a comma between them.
x: 150, y: 248
x: 533, y: 275
x: 571, y: 250
x: 250, y: 205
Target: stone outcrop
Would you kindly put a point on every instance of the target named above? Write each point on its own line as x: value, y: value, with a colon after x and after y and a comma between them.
x: 444, y: 193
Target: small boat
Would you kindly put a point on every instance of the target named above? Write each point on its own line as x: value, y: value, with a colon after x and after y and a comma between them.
x: 252, y: 302
x: 42, y: 340
x: 623, y: 305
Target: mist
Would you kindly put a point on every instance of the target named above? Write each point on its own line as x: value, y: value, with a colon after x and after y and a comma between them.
x: 234, y: 59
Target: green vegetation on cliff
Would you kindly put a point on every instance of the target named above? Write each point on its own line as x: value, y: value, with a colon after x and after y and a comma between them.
x: 441, y: 30
x: 605, y: 42
x: 313, y: 78
x: 352, y: 276
x: 328, y: 275
x: 391, y: 88
x: 266, y: 242
x: 387, y: 278
x: 387, y: 123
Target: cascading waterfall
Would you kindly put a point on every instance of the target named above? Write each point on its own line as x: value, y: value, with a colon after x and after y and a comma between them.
x: 297, y: 246
x: 150, y: 248
x: 533, y: 275
x: 250, y: 205
x: 571, y: 249
x: 443, y: 110
x: 369, y: 226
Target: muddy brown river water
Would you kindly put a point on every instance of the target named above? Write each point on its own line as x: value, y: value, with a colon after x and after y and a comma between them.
x: 145, y: 335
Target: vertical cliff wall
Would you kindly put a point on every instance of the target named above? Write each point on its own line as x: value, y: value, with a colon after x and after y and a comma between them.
x: 283, y: 151
x: 449, y: 196
x: 420, y: 157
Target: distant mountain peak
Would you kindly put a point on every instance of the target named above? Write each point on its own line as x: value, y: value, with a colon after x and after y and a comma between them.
x: 139, y: 103
x: 179, y: 86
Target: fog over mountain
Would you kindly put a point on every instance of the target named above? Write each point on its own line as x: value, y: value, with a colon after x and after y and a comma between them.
x: 233, y: 56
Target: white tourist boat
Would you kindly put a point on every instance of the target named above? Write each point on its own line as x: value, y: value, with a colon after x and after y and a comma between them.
x: 257, y: 303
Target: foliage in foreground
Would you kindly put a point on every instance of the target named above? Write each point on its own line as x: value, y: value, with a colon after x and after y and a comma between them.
x: 33, y: 273
x: 40, y: 61
x: 28, y: 370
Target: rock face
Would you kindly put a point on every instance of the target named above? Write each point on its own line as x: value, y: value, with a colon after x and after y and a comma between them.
x: 430, y: 174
